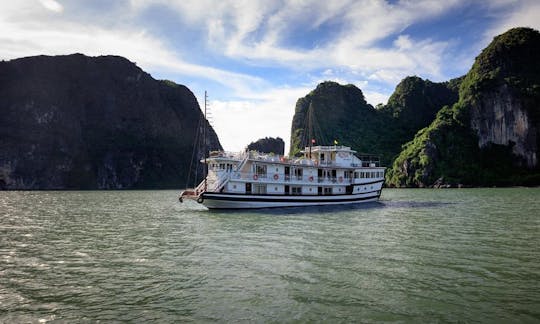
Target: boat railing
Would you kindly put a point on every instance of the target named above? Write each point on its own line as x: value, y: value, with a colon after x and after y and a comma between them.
x: 276, y: 178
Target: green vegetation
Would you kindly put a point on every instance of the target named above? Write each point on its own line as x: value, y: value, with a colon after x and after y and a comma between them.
x: 482, y: 129
x: 449, y: 147
x: 340, y: 112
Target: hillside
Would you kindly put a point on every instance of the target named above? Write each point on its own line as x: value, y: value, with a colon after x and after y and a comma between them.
x: 78, y: 122
x: 491, y: 135
x: 340, y: 112
x: 268, y: 145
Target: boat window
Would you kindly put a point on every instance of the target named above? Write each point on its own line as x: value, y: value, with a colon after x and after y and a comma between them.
x: 260, y: 170
x: 356, y: 175
x: 296, y: 190
x: 327, y: 191
x: 259, y: 189
x: 298, y: 173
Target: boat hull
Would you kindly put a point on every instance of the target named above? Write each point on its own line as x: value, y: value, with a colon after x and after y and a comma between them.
x: 244, y: 201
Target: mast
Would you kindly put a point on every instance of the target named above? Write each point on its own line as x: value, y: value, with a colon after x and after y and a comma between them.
x: 205, y: 167
x: 310, y: 127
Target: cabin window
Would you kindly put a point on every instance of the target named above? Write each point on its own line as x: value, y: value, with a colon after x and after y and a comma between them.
x: 259, y: 189
x: 260, y: 170
x: 327, y: 191
x: 356, y: 175
x: 298, y: 173
x: 296, y: 190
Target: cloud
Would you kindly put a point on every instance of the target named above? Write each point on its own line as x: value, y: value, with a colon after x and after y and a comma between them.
x: 270, y: 113
x: 512, y: 14
x: 52, y: 5
x: 244, y: 44
x: 22, y: 37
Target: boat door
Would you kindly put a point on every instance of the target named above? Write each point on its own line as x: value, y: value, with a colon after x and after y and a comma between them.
x: 287, y: 173
x: 248, y: 188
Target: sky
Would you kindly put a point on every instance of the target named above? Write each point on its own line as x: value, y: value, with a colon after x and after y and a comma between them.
x: 257, y: 58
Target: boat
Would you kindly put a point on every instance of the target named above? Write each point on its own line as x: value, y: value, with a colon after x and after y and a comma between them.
x: 324, y: 175
x: 321, y: 175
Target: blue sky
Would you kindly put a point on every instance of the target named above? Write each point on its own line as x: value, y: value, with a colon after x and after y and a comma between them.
x: 256, y: 58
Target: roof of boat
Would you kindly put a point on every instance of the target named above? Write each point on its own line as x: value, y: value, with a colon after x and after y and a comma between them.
x: 331, y: 148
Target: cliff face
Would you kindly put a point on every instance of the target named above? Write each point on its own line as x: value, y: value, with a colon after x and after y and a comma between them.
x: 490, y: 136
x: 268, y: 145
x: 500, y: 117
x: 78, y: 122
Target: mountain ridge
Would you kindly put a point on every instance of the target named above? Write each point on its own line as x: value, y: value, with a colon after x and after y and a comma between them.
x: 79, y: 122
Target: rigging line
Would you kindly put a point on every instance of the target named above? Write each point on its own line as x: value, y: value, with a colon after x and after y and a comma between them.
x: 195, y: 149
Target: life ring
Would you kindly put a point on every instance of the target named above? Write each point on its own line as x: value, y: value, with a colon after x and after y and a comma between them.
x: 340, y: 179
x: 276, y: 176
x: 200, y: 200
x: 255, y: 177
x: 311, y: 179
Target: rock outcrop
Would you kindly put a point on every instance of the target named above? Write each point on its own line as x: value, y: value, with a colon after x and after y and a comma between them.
x: 268, y: 145
x: 340, y: 112
x: 491, y: 135
x: 78, y: 122
x: 415, y: 103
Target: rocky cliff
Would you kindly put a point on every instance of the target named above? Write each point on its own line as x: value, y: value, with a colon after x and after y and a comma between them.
x: 268, y: 145
x: 340, y: 112
x: 415, y: 103
x: 491, y: 135
x: 78, y: 122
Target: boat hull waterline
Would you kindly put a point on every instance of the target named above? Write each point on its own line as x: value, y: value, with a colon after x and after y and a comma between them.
x: 228, y: 201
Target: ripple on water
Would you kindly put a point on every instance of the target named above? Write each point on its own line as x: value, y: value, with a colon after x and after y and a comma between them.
x: 416, y: 256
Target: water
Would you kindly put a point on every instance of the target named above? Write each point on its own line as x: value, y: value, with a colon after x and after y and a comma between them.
x: 467, y: 255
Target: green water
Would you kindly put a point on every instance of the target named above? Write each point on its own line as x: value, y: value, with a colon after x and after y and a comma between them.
x: 457, y: 255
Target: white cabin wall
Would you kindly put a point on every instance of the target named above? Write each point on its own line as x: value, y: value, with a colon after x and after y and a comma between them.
x: 344, y: 158
x: 274, y: 169
x: 275, y: 189
x: 338, y: 190
x: 236, y: 187
x: 306, y: 190
x: 310, y: 172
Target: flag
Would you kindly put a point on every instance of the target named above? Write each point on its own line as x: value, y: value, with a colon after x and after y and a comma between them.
x: 335, y: 142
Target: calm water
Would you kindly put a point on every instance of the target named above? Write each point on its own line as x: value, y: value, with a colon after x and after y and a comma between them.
x: 467, y: 255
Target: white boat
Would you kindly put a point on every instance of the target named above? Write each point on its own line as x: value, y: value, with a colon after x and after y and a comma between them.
x: 324, y: 175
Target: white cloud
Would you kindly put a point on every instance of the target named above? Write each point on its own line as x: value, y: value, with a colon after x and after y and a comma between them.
x: 523, y: 13
x: 238, y: 123
x: 257, y: 33
x: 52, y: 5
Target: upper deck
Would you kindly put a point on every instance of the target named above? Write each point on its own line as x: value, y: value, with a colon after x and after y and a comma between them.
x: 318, y: 156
